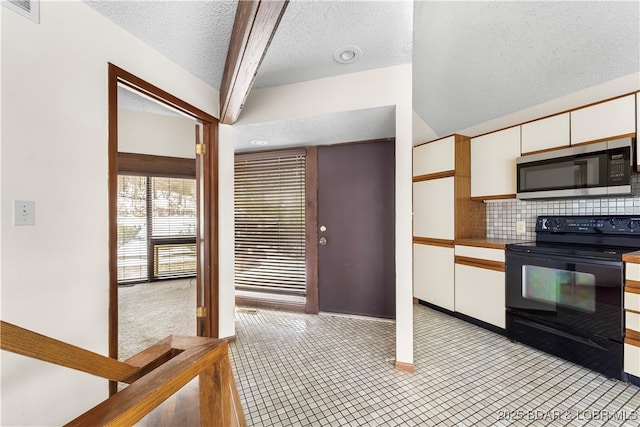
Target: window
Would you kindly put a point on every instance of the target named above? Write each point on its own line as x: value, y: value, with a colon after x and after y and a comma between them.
x: 156, y: 228
x: 270, y: 223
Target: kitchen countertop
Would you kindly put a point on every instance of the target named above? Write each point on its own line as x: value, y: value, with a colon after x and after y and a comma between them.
x: 632, y: 257
x: 488, y: 243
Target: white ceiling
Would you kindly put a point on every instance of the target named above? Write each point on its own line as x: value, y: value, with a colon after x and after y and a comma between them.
x: 472, y: 61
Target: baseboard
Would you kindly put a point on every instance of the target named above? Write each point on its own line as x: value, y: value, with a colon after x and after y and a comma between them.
x: 276, y: 305
x: 472, y: 320
x: 231, y: 338
x: 632, y: 379
x: 415, y: 300
x: 406, y: 367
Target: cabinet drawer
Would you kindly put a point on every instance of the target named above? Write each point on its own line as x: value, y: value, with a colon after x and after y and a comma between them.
x: 479, y: 293
x: 433, y: 207
x: 632, y: 321
x: 605, y: 120
x: 632, y: 301
x: 435, y: 156
x: 480, y: 253
x: 433, y: 279
x: 632, y: 271
x: 632, y: 359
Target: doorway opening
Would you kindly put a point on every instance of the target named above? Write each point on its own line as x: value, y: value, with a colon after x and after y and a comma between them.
x: 162, y: 204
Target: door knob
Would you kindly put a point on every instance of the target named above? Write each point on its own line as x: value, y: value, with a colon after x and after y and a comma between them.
x: 322, y: 241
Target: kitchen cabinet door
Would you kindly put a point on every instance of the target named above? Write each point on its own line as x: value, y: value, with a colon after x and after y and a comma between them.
x: 493, y: 164
x: 608, y: 119
x: 637, y: 129
x: 479, y: 293
x: 433, y: 279
x: 433, y: 208
x: 544, y: 134
x: 435, y: 156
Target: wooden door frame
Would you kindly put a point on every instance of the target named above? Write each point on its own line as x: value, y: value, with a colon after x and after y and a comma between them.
x: 118, y: 75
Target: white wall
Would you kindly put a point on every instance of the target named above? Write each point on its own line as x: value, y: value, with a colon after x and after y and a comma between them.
x: 374, y: 88
x: 156, y: 134
x: 54, y: 278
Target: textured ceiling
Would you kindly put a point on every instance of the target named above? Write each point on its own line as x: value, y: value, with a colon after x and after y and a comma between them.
x: 310, y: 32
x: 472, y: 61
x: 362, y: 125
x: 475, y: 61
x: 129, y: 99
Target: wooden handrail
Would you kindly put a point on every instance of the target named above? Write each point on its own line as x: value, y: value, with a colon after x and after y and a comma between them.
x: 31, y: 344
x: 155, y: 374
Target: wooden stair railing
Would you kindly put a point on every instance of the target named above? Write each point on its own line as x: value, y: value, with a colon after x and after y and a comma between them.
x: 154, y: 375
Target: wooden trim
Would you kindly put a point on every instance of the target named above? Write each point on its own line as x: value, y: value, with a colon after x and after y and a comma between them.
x: 150, y: 165
x: 558, y: 113
x: 634, y: 341
x: 480, y: 263
x: 271, y: 304
x: 631, y: 289
x: 433, y: 242
x: 435, y: 175
x: 415, y: 300
x: 405, y: 367
x: 117, y: 75
x: 311, y: 229
x: 633, y: 257
x: 269, y: 154
x: 635, y: 284
x: 136, y: 83
x: 439, y: 139
x: 481, y: 243
x: 494, y: 197
x: 546, y: 150
x: 255, y: 24
x: 230, y: 338
x: 632, y: 311
x: 632, y: 333
x: 470, y: 217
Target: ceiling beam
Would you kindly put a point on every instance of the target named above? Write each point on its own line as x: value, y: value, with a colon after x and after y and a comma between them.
x: 254, y: 27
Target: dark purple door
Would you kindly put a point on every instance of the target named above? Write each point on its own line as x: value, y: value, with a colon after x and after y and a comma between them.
x: 356, y: 205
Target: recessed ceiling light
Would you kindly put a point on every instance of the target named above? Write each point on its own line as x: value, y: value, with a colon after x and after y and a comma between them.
x: 258, y: 142
x: 347, y: 54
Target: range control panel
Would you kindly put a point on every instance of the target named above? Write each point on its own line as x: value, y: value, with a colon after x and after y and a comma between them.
x: 597, y: 224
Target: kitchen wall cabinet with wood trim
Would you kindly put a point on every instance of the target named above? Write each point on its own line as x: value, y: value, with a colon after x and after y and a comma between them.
x: 442, y: 212
x: 545, y: 134
x: 434, y: 157
x: 632, y: 316
x: 610, y: 119
x: 493, y: 164
x: 479, y: 284
x: 637, y: 131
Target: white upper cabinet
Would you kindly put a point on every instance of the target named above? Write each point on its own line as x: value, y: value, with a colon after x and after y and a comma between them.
x: 605, y: 120
x: 493, y: 163
x: 433, y: 204
x: 543, y: 134
x: 436, y: 156
x: 637, y: 127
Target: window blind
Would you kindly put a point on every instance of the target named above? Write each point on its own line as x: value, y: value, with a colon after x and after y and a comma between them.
x: 156, y: 228
x: 132, y: 228
x: 270, y: 224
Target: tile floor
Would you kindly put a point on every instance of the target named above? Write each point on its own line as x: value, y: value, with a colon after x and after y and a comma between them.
x: 305, y: 370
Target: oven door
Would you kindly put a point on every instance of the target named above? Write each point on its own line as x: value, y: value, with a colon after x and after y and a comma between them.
x: 582, y: 294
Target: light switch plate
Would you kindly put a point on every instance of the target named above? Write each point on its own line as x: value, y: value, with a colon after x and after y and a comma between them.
x: 24, y: 212
x: 521, y: 227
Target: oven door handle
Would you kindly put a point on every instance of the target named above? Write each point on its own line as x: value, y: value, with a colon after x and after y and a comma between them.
x: 530, y: 258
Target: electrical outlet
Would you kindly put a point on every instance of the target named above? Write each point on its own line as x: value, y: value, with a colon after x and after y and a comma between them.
x: 521, y: 227
x: 24, y: 212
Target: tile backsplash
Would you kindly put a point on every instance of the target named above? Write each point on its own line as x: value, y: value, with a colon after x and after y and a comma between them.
x: 503, y: 214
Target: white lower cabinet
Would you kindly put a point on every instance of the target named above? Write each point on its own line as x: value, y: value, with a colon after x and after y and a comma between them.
x: 479, y: 293
x: 433, y: 280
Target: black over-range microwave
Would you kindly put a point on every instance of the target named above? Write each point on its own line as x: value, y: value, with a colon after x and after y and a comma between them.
x: 598, y: 169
